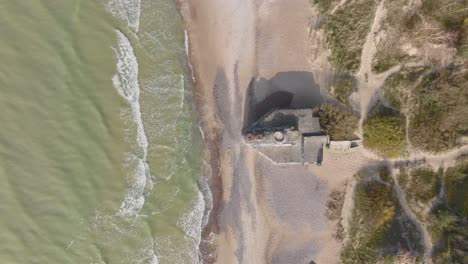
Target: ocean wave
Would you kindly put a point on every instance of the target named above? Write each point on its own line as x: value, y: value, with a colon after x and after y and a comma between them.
x: 145, y: 255
x: 127, y: 10
x: 192, y: 224
x: 126, y: 83
x: 187, y: 53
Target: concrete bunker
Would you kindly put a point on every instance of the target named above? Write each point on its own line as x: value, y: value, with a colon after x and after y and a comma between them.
x: 288, y: 136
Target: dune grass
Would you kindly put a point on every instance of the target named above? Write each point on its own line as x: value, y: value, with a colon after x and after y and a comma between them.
x: 448, y: 224
x: 342, y: 87
x: 375, y: 205
x: 424, y: 184
x: 346, y: 33
x: 438, y: 106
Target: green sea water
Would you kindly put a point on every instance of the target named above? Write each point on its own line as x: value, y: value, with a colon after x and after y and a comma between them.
x: 99, y: 150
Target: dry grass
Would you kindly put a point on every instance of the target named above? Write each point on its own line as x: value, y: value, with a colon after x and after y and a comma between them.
x: 421, y: 25
x: 342, y: 87
x: 346, y: 32
x: 439, y: 113
x: 424, y: 185
x: 398, y: 86
x: 375, y: 205
x: 449, y: 223
x: 335, y: 204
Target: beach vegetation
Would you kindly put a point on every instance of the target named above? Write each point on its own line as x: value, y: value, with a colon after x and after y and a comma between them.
x: 374, y: 209
x: 325, y: 6
x: 385, y: 135
x: 398, y: 24
x: 448, y: 224
x: 334, y: 207
x: 398, y: 86
x: 338, y: 123
x: 389, y: 56
x: 402, y: 178
x: 446, y: 219
x: 418, y: 27
x: 385, y: 175
x: 451, y: 22
x: 342, y: 87
x: 346, y: 31
x: 456, y: 182
x: 335, y: 204
x: 449, y: 232
x: 438, y: 106
x: 423, y: 184
x: 378, y: 222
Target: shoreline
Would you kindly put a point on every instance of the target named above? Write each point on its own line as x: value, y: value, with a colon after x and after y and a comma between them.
x: 211, y: 144
x: 226, y: 52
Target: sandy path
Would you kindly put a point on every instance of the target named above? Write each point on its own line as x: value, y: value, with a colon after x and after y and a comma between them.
x: 426, y: 238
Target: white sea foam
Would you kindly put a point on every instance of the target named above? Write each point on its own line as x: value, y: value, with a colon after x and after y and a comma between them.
x: 126, y: 83
x: 182, y: 93
x: 208, y: 198
x: 145, y: 254
x: 195, y: 220
x: 192, y: 224
x: 187, y: 53
x: 127, y: 10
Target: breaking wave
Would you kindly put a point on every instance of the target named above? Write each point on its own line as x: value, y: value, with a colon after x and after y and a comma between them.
x: 126, y: 83
x: 166, y: 128
x: 127, y: 10
x: 187, y: 53
x: 192, y: 223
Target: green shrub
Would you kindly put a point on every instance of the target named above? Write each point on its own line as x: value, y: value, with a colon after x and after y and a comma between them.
x: 337, y: 123
x: 385, y: 135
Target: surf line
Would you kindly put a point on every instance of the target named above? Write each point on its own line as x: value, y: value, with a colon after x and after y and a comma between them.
x: 125, y: 82
x: 127, y: 10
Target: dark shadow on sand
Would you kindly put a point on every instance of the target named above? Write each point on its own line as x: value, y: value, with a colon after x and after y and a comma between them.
x: 295, y: 89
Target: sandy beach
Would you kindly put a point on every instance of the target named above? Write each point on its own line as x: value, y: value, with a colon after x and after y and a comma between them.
x: 246, y: 56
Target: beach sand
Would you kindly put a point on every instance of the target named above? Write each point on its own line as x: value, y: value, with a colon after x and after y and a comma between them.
x: 246, y: 55
x: 249, y: 56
